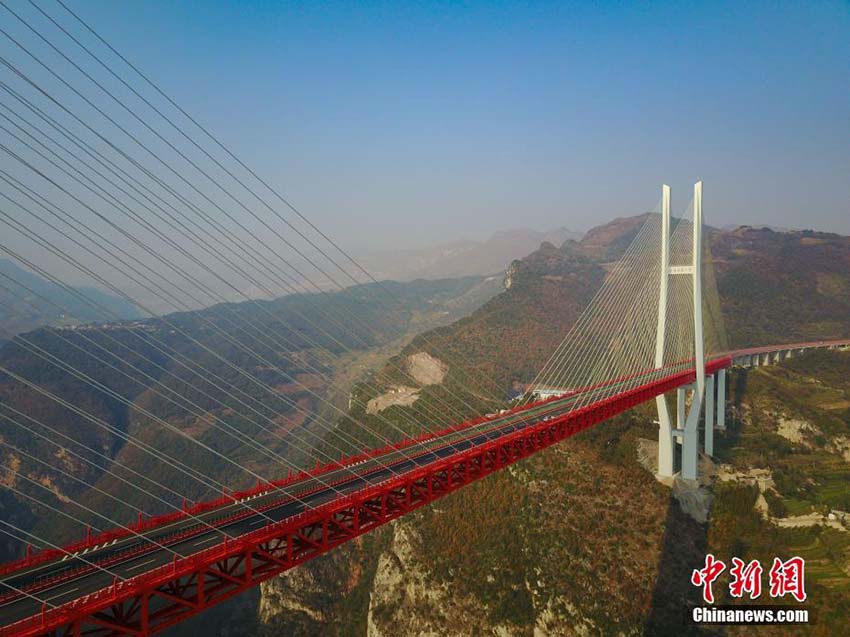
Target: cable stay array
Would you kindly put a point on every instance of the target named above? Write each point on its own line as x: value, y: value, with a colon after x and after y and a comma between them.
x: 101, y: 190
x: 85, y: 198
x: 124, y: 204
x: 612, y: 346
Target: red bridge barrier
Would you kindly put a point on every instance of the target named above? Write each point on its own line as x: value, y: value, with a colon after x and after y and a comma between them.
x: 166, y: 595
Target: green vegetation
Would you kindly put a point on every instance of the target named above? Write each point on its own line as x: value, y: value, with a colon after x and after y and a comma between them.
x: 803, y: 399
x: 300, y: 342
x: 579, y: 530
x: 565, y: 521
x: 559, y: 528
x: 782, y: 286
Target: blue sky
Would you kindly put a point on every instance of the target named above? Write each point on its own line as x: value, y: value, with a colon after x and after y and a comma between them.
x: 408, y: 124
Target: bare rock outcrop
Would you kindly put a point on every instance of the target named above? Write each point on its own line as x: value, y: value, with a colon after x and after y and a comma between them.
x: 406, y: 601
x: 426, y: 369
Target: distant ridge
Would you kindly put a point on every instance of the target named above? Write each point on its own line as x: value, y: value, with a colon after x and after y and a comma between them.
x: 463, y: 258
x: 19, y: 315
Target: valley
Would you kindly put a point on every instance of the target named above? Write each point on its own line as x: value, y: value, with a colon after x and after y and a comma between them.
x: 600, y: 537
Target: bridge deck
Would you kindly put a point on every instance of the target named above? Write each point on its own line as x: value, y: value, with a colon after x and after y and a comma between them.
x: 191, y: 565
x: 126, y: 558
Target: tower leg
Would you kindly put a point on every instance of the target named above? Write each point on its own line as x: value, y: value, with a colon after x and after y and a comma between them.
x: 690, y: 453
x: 690, y: 433
x: 666, y: 442
x: 681, y: 424
x: 688, y: 425
x: 690, y: 442
x: 709, y: 415
x: 680, y: 408
x: 721, y: 399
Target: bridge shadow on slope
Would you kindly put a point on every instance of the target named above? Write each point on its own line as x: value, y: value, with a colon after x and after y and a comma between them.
x: 684, y: 547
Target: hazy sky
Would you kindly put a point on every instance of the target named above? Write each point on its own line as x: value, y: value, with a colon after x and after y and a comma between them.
x: 416, y: 123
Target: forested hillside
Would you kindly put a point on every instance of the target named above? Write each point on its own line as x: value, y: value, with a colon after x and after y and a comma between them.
x: 782, y: 286
x: 262, y: 370
x: 783, y: 475
x: 580, y: 538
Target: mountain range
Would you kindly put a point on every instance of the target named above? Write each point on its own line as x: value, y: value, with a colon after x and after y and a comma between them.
x: 28, y: 301
x: 578, y: 539
x: 581, y: 539
x: 462, y: 258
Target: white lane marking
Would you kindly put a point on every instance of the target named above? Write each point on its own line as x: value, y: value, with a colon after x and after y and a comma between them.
x: 47, y: 599
x: 255, y: 522
x: 488, y: 434
x: 204, y: 541
x: 133, y: 568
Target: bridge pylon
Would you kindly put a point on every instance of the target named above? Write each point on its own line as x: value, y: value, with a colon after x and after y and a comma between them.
x: 686, y: 427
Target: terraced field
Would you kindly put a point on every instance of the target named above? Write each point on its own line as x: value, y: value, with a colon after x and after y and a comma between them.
x: 787, y: 420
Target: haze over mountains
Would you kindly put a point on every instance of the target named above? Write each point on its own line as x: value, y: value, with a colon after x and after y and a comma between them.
x: 45, y: 303
x: 462, y: 257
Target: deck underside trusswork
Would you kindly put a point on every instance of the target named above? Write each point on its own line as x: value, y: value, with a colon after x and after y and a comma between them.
x: 173, y: 589
x: 185, y: 586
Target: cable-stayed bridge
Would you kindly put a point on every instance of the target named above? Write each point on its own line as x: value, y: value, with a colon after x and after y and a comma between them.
x: 638, y: 340
x: 107, y: 181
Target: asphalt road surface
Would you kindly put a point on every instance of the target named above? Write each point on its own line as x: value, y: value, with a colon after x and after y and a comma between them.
x: 206, y: 529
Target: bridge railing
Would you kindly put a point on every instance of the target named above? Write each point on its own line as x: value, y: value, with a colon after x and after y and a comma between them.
x: 582, y: 418
x: 141, y: 524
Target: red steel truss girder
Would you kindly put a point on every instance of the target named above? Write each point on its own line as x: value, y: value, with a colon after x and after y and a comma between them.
x: 166, y: 595
x: 94, y: 540
x: 106, y: 536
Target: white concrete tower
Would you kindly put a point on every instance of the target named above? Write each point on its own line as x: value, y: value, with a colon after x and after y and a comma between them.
x: 666, y: 442
x: 721, y: 399
x: 690, y: 437
x: 686, y: 425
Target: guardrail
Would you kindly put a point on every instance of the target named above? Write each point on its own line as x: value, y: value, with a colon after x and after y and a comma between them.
x: 578, y: 420
x: 150, y: 545
x: 93, y: 541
